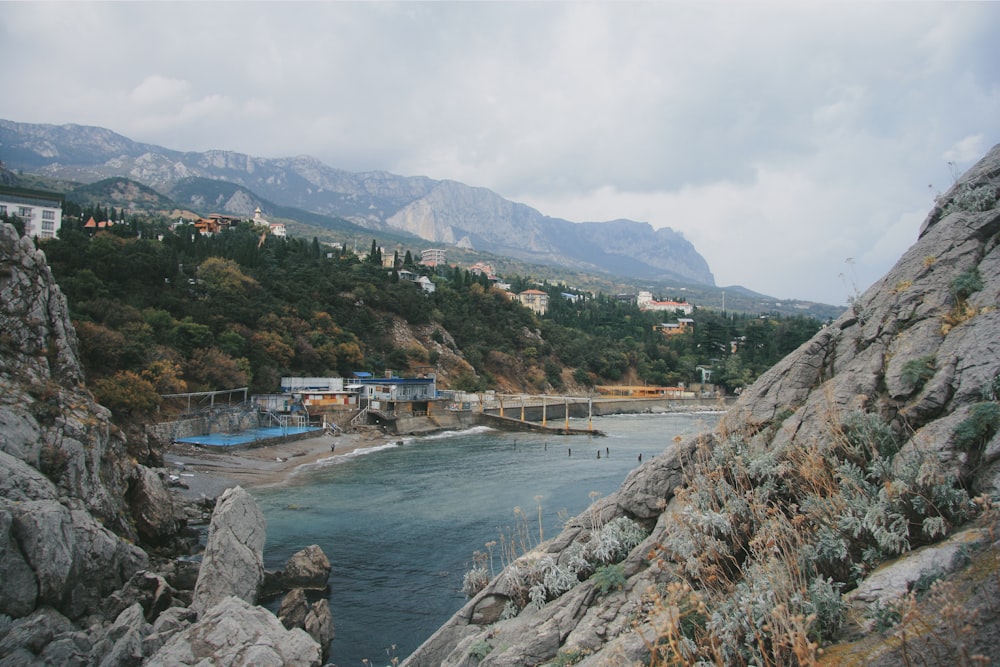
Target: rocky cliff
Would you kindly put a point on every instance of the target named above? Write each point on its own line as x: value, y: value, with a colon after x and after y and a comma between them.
x: 76, y: 587
x: 847, y: 494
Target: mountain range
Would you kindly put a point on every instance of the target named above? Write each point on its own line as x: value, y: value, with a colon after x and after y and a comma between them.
x: 442, y: 212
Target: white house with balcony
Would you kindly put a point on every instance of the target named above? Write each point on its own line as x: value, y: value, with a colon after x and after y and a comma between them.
x: 40, y: 211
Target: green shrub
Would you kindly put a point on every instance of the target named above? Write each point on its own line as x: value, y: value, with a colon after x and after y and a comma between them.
x: 916, y: 372
x: 966, y: 284
x: 976, y: 429
x: 609, y: 578
x: 971, y: 198
x: 480, y: 649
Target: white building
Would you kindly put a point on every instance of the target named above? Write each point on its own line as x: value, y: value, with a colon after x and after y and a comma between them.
x: 645, y: 301
x: 274, y: 228
x: 40, y: 211
x: 432, y: 257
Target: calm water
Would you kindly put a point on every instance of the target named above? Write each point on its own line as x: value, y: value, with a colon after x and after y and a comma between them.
x: 400, y: 523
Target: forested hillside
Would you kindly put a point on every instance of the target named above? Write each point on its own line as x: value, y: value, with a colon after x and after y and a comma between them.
x: 161, y: 311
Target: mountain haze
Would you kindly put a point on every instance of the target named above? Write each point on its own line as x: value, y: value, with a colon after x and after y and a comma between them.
x: 445, y: 212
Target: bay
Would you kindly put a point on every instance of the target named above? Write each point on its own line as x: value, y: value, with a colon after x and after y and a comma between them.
x: 400, y: 522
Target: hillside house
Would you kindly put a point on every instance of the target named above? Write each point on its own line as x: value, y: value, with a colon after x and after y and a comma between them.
x: 681, y: 326
x: 645, y: 301
x: 40, y: 211
x: 273, y: 228
x: 432, y: 257
x: 536, y: 300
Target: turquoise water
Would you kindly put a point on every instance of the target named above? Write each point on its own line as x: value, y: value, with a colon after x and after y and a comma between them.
x: 247, y: 436
x: 400, y: 523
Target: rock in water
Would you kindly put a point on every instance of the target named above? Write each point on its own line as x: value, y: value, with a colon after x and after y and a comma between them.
x: 309, y: 569
x: 233, y: 563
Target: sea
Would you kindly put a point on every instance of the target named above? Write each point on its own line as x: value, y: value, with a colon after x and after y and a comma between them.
x: 401, y: 521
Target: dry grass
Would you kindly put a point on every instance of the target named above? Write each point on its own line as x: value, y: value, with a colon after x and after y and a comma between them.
x: 766, y: 541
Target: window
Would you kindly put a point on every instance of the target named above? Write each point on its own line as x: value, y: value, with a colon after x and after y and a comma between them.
x: 3, y: 209
x: 23, y: 211
x: 48, y: 226
x: 48, y: 215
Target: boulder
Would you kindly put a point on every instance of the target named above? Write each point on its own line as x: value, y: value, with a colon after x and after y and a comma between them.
x: 33, y: 632
x: 152, y: 507
x: 233, y: 562
x: 296, y: 612
x: 308, y: 568
x: 293, y: 609
x: 319, y: 624
x: 234, y: 633
x: 19, y: 590
x: 124, y: 639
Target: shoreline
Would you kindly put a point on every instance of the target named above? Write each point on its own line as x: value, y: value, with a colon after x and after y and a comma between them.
x: 206, y: 472
x: 200, y: 472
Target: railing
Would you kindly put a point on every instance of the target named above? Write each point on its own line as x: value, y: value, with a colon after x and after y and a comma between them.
x: 361, y: 417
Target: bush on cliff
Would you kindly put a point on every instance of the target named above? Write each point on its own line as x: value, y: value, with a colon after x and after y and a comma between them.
x: 769, y: 539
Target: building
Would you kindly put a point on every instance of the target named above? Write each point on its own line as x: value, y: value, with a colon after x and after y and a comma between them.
x: 274, y: 228
x: 643, y: 391
x: 432, y: 257
x: 395, y: 396
x: 536, y: 300
x: 40, y: 211
x: 645, y: 301
x: 681, y: 326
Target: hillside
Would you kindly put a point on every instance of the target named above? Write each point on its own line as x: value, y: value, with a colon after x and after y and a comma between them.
x: 842, y: 513
x: 436, y: 211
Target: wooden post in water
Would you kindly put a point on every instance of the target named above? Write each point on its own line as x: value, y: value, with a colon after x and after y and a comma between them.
x: 543, y: 409
x: 566, y: 408
x: 522, y: 407
x: 590, y: 413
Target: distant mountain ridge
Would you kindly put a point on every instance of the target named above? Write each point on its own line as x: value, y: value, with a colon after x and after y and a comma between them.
x: 445, y: 212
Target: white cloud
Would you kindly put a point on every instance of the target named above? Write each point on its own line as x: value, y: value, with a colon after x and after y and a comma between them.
x: 965, y: 150
x: 156, y: 89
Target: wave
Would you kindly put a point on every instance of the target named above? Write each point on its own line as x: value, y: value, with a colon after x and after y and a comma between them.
x: 475, y: 430
x: 337, y: 459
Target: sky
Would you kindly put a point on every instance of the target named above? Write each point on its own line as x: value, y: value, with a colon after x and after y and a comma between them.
x: 797, y: 145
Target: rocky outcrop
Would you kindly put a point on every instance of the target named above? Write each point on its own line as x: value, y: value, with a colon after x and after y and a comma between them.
x: 234, y: 633
x: 916, y: 361
x: 233, y: 562
x: 307, y: 569
x: 75, y: 589
x: 315, y: 618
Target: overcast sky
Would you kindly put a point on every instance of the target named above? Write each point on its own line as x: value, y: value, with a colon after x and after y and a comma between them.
x: 798, y: 146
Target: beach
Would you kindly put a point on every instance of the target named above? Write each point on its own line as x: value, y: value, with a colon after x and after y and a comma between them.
x: 206, y: 471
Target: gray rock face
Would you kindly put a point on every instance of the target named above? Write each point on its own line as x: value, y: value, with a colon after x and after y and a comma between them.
x: 20, y: 587
x: 233, y: 563
x: 47, y: 419
x: 920, y: 349
x: 234, y: 633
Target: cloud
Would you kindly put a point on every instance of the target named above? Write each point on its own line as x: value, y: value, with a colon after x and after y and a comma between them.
x: 156, y: 89
x: 965, y: 150
x: 780, y: 138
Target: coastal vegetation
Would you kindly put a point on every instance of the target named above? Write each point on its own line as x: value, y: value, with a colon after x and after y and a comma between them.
x: 162, y: 309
